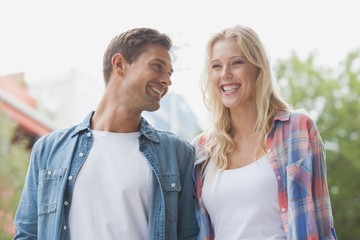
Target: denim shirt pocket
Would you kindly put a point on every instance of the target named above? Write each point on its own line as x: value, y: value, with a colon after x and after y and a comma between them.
x: 50, y: 182
x: 171, y: 183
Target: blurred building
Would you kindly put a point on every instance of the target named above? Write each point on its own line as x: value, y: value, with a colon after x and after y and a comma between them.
x: 21, y: 107
x: 175, y: 115
x: 65, y: 99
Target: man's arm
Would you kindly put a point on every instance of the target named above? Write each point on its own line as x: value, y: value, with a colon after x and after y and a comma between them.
x: 187, y: 223
x: 26, y: 214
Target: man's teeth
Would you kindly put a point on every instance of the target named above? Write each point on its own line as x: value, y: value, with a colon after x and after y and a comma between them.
x: 229, y: 88
x: 157, y: 90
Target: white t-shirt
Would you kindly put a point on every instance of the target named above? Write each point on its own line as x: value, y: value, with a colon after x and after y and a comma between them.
x: 111, y: 192
x: 243, y: 203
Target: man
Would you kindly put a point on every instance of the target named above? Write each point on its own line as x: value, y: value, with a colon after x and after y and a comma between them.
x: 114, y: 176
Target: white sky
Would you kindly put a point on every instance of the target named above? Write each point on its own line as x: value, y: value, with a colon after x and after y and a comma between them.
x: 47, y: 38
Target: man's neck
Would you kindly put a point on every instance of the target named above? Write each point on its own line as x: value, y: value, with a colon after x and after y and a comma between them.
x: 112, y: 119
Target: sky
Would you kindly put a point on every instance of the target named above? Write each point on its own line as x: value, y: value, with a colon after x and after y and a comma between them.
x: 44, y: 38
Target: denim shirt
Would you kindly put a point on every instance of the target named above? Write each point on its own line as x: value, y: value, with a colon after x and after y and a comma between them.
x: 56, y: 160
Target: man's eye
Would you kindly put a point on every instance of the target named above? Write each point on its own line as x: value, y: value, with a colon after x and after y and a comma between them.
x: 158, y: 67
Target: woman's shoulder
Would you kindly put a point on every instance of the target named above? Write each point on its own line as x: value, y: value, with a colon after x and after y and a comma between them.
x: 199, y: 143
x: 200, y: 139
x: 298, y: 120
x: 298, y: 116
x: 302, y: 117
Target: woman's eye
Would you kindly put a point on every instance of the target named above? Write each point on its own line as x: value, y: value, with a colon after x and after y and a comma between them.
x: 215, y: 66
x: 238, y: 62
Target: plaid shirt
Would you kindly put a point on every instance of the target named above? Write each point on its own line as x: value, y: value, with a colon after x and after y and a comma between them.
x: 297, y: 155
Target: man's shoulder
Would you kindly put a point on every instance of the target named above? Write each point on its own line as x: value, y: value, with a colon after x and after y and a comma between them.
x: 163, y: 138
x: 67, y: 133
x: 171, y: 137
x: 56, y: 136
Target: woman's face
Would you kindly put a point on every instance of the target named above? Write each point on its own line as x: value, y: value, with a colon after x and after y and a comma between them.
x: 233, y: 75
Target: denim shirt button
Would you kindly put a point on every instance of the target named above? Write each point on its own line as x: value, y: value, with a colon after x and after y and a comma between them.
x: 81, y: 154
x: 88, y: 134
x: 49, y: 172
x: 173, y: 185
x: 65, y: 227
x: 70, y: 177
x: 66, y: 203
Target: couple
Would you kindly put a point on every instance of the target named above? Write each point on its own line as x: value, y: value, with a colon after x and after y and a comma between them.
x: 259, y: 172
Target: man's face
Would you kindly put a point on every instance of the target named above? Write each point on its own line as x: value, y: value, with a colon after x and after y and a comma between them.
x: 147, y: 79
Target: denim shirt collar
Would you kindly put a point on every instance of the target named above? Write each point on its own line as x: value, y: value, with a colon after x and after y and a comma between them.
x: 84, y: 125
x: 145, y: 128
x: 148, y: 131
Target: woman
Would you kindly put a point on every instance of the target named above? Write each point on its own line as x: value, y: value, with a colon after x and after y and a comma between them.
x: 260, y: 170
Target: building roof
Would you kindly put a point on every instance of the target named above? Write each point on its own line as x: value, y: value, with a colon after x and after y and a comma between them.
x: 16, y: 102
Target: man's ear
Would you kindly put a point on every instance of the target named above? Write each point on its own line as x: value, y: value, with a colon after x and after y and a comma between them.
x: 118, y: 63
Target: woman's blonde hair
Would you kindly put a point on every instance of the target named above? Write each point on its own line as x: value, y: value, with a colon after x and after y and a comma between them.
x: 219, y: 143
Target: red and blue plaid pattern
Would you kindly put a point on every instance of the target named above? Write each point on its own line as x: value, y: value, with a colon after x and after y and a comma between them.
x: 297, y: 155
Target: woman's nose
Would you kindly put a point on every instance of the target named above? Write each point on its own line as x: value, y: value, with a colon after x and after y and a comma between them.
x: 226, y: 73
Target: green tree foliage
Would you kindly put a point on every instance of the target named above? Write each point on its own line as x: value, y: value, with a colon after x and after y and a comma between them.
x: 332, y: 97
x: 14, y: 158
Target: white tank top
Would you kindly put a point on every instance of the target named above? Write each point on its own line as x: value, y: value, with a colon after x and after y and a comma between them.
x: 243, y: 203
x: 111, y: 192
